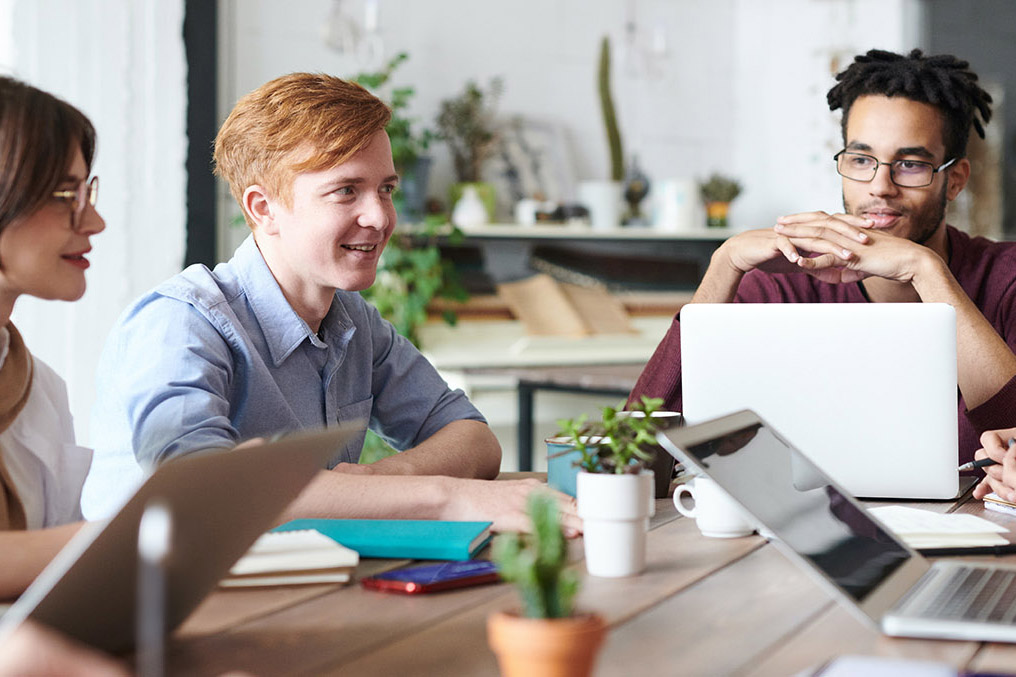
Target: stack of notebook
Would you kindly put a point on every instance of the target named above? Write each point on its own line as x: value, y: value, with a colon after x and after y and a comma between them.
x: 293, y: 558
x: 995, y: 502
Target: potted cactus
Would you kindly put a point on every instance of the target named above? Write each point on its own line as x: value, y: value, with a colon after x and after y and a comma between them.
x: 603, y: 198
x: 546, y: 637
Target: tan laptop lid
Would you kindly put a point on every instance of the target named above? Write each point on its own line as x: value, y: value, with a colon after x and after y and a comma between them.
x: 219, y: 501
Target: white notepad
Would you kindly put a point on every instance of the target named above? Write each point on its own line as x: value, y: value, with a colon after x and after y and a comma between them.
x: 926, y: 529
x: 293, y: 558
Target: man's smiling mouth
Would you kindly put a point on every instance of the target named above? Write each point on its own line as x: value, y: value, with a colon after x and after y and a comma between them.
x: 360, y: 247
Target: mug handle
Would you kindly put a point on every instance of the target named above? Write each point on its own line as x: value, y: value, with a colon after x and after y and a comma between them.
x: 679, y: 494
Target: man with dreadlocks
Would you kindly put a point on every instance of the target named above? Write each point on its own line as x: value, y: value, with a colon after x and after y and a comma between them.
x: 906, y: 121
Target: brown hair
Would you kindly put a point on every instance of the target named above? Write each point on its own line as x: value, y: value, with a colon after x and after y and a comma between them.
x: 38, y: 134
x: 266, y: 136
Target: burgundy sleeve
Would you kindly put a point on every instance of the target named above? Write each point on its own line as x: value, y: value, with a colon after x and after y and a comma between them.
x: 662, y: 374
x: 995, y: 296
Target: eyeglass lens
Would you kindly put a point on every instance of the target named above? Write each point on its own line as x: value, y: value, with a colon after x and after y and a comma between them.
x: 907, y: 173
x: 86, y: 191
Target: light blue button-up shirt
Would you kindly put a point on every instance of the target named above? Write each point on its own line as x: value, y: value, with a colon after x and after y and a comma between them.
x: 211, y: 357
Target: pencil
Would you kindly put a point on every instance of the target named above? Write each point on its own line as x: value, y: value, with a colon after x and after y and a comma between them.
x: 984, y: 462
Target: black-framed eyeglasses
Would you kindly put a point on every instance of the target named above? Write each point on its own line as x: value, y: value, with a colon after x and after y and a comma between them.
x: 86, y: 191
x: 904, y: 173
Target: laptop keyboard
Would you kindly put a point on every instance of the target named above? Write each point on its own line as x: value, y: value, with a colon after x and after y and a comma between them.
x: 972, y: 593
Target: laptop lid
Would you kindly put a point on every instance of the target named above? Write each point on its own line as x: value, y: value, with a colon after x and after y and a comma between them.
x: 867, y: 390
x: 813, y: 518
x: 220, y: 501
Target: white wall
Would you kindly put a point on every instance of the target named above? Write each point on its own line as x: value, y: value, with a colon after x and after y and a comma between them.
x: 787, y: 55
x: 122, y: 63
x: 740, y: 90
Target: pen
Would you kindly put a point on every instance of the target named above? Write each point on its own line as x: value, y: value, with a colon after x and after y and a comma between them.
x: 984, y: 462
x: 1008, y: 549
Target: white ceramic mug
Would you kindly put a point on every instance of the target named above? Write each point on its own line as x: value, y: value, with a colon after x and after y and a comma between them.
x: 715, y: 513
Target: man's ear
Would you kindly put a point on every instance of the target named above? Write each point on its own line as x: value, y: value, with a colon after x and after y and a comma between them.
x: 958, y: 175
x: 259, y: 209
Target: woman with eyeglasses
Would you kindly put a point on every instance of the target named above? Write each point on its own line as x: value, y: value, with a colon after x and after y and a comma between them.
x: 47, y: 218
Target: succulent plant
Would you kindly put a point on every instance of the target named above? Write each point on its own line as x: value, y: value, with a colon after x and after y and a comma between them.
x: 537, y: 562
x: 719, y: 188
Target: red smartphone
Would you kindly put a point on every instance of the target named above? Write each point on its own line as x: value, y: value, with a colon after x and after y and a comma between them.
x: 434, y: 577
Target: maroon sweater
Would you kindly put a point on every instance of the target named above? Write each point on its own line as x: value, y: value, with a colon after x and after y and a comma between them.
x: 985, y: 269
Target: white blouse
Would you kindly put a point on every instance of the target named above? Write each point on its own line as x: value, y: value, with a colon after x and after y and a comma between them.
x: 48, y: 469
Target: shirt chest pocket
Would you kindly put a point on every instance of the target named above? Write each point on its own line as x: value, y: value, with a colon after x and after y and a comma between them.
x: 352, y: 413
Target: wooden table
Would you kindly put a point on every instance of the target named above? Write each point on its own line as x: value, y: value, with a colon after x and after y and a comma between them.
x: 704, y: 606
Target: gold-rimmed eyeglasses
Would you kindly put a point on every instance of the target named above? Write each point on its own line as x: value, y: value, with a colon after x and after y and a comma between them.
x: 904, y: 173
x: 86, y: 191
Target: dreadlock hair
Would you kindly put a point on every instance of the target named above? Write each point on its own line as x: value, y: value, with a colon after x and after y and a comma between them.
x: 942, y: 81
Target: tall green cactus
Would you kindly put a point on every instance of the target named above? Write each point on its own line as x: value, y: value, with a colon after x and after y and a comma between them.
x: 609, y: 116
x: 536, y: 562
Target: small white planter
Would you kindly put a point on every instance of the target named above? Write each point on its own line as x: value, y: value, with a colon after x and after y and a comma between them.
x: 603, y: 199
x: 615, y: 517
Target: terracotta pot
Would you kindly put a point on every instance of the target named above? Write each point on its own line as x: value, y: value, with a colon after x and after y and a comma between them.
x: 539, y: 647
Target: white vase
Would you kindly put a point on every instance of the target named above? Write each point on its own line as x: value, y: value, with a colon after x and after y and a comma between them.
x: 469, y: 211
x: 603, y: 200
x: 615, y: 517
x: 676, y: 206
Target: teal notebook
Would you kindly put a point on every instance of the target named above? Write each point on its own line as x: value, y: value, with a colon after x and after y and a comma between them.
x: 402, y: 539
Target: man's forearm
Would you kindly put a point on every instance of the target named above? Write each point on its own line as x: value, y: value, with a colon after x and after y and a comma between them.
x: 460, y: 449
x: 720, y: 282
x: 336, y: 494
x: 985, y: 362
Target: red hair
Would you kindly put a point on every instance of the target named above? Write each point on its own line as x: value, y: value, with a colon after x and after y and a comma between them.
x: 301, y: 122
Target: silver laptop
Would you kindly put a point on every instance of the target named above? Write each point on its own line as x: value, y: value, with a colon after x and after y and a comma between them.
x: 219, y: 503
x: 822, y: 527
x: 867, y: 390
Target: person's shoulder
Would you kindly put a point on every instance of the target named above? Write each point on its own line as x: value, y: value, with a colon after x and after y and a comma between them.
x: 200, y: 286
x: 982, y: 252
x: 45, y: 378
x: 194, y: 301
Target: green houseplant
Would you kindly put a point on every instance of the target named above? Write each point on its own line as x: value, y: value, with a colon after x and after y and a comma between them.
x: 614, y: 488
x: 620, y: 442
x: 411, y: 274
x: 718, y: 192
x: 467, y: 123
x: 547, y: 637
x: 409, y: 144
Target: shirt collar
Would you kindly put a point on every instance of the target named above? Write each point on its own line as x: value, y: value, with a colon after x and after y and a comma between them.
x: 284, y: 330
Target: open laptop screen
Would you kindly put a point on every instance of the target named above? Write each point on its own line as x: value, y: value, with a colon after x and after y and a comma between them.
x: 787, y: 493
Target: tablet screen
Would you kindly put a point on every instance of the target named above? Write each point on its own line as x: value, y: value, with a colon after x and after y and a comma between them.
x: 792, y: 497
